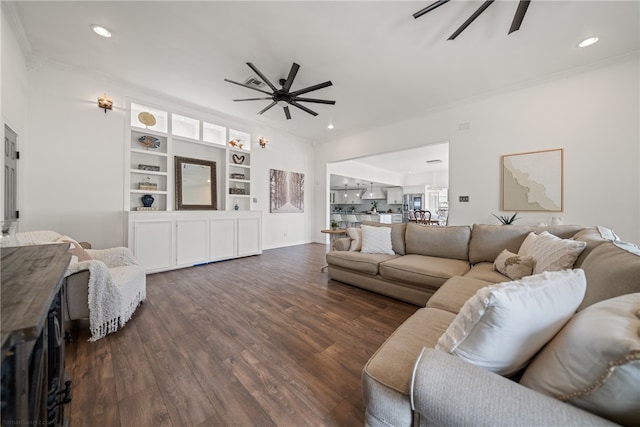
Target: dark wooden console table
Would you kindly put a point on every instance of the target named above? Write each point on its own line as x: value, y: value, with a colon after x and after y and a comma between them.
x: 34, y: 386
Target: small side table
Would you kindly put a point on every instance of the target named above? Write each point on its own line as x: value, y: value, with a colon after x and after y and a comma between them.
x: 334, y: 234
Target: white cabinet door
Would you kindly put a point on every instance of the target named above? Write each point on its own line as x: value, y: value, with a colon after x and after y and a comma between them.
x: 192, y: 243
x: 394, y: 195
x: 153, y: 244
x: 249, y: 236
x: 222, y: 239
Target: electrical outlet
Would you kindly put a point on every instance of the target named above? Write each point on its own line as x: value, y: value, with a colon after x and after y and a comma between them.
x: 464, y: 199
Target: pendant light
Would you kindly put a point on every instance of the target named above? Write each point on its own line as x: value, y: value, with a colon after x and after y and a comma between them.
x: 371, y: 194
x: 345, y: 191
x: 358, y: 191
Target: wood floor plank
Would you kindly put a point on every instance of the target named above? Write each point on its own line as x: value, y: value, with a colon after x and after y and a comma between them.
x: 265, y: 341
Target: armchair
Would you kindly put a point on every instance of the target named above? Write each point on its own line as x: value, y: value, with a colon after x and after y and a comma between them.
x: 105, y: 286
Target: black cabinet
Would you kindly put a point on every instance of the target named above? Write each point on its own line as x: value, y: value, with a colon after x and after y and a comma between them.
x: 34, y: 384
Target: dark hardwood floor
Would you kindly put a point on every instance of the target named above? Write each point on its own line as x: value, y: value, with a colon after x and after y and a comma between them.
x: 260, y: 341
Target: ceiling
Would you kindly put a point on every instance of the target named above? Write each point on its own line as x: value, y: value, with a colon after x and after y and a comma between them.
x: 405, y: 162
x: 384, y: 64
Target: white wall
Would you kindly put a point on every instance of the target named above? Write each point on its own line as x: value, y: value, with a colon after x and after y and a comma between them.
x: 13, y: 88
x: 593, y: 114
x: 74, y: 160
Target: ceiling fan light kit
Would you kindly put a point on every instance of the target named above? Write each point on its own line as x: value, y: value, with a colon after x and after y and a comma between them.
x: 523, y: 5
x: 284, y: 97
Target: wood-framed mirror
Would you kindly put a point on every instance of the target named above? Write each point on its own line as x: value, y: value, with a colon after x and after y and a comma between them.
x: 195, y: 184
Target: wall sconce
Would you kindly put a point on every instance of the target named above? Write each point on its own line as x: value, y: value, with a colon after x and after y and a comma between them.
x: 263, y: 142
x: 105, y: 102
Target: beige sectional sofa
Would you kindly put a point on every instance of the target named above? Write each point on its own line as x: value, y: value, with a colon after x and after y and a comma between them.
x: 407, y: 382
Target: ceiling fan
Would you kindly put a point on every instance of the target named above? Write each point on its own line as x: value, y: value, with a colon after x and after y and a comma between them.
x: 283, y: 97
x: 515, y: 25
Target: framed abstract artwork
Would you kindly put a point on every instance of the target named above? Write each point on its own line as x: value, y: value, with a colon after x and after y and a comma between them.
x: 286, y: 191
x: 533, y: 181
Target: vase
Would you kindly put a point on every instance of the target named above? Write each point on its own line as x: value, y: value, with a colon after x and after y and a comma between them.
x: 147, y: 200
x: 236, y: 207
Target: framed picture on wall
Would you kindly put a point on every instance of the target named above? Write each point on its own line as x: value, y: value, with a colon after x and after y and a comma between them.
x: 533, y: 181
x: 286, y: 191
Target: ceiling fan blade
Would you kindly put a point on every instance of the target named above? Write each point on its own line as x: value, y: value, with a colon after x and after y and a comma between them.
x: 472, y: 18
x: 292, y: 75
x: 303, y: 108
x: 262, y: 76
x: 519, y: 16
x: 247, y: 86
x: 312, y: 88
x: 267, y: 107
x: 429, y: 8
x: 286, y: 112
x: 317, y: 101
x: 253, y: 99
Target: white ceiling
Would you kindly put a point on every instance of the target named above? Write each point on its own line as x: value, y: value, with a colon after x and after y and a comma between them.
x: 384, y: 64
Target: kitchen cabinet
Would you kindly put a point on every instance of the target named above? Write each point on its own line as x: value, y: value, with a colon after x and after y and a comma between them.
x: 394, y: 195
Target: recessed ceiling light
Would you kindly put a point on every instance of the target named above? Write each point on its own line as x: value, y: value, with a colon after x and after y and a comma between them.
x: 588, y: 42
x: 330, y: 126
x: 101, y: 31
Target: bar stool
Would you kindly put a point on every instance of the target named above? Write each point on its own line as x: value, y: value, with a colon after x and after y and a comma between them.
x: 352, y: 221
x: 364, y: 218
x: 338, y: 218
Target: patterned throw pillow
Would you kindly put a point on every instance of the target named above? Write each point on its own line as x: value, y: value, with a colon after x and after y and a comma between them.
x: 513, y: 266
x: 594, y: 361
x: 77, y: 252
x: 551, y: 253
x: 376, y: 240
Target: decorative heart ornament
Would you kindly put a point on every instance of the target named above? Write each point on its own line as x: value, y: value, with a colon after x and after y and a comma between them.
x: 237, y: 159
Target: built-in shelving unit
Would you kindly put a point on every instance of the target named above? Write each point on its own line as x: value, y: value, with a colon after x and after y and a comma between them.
x: 153, y: 146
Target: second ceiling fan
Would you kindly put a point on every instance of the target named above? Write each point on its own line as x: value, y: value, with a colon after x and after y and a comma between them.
x: 283, y: 96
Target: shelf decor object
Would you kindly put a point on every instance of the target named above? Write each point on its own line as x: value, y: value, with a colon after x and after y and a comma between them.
x: 237, y: 159
x: 286, y: 191
x: 147, y: 119
x: 533, y: 181
x: 149, y: 141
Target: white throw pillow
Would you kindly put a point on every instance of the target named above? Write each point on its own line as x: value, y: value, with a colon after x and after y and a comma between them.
x: 526, y: 245
x: 503, y: 326
x: 356, y: 238
x: 514, y: 266
x: 376, y: 240
x: 594, y: 361
x: 551, y: 253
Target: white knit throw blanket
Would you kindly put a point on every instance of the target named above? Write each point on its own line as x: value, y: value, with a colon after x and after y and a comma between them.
x: 110, y: 306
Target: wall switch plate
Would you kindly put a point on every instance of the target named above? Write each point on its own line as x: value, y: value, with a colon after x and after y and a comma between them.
x: 255, y: 200
x: 464, y: 199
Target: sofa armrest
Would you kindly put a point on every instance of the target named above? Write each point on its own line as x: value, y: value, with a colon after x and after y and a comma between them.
x: 113, y: 257
x: 445, y: 390
x: 341, y: 244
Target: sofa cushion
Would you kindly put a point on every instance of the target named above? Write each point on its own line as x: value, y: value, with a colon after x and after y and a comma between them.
x: 455, y: 292
x: 594, y: 361
x: 551, y: 253
x: 487, y: 241
x: 355, y: 234
x: 444, y: 242
x: 484, y: 271
x: 357, y: 261
x: 397, y: 235
x: 422, y: 270
x: 376, y: 240
x: 503, y: 326
x: 512, y: 265
x: 592, y: 236
x: 392, y: 364
x: 612, y: 269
